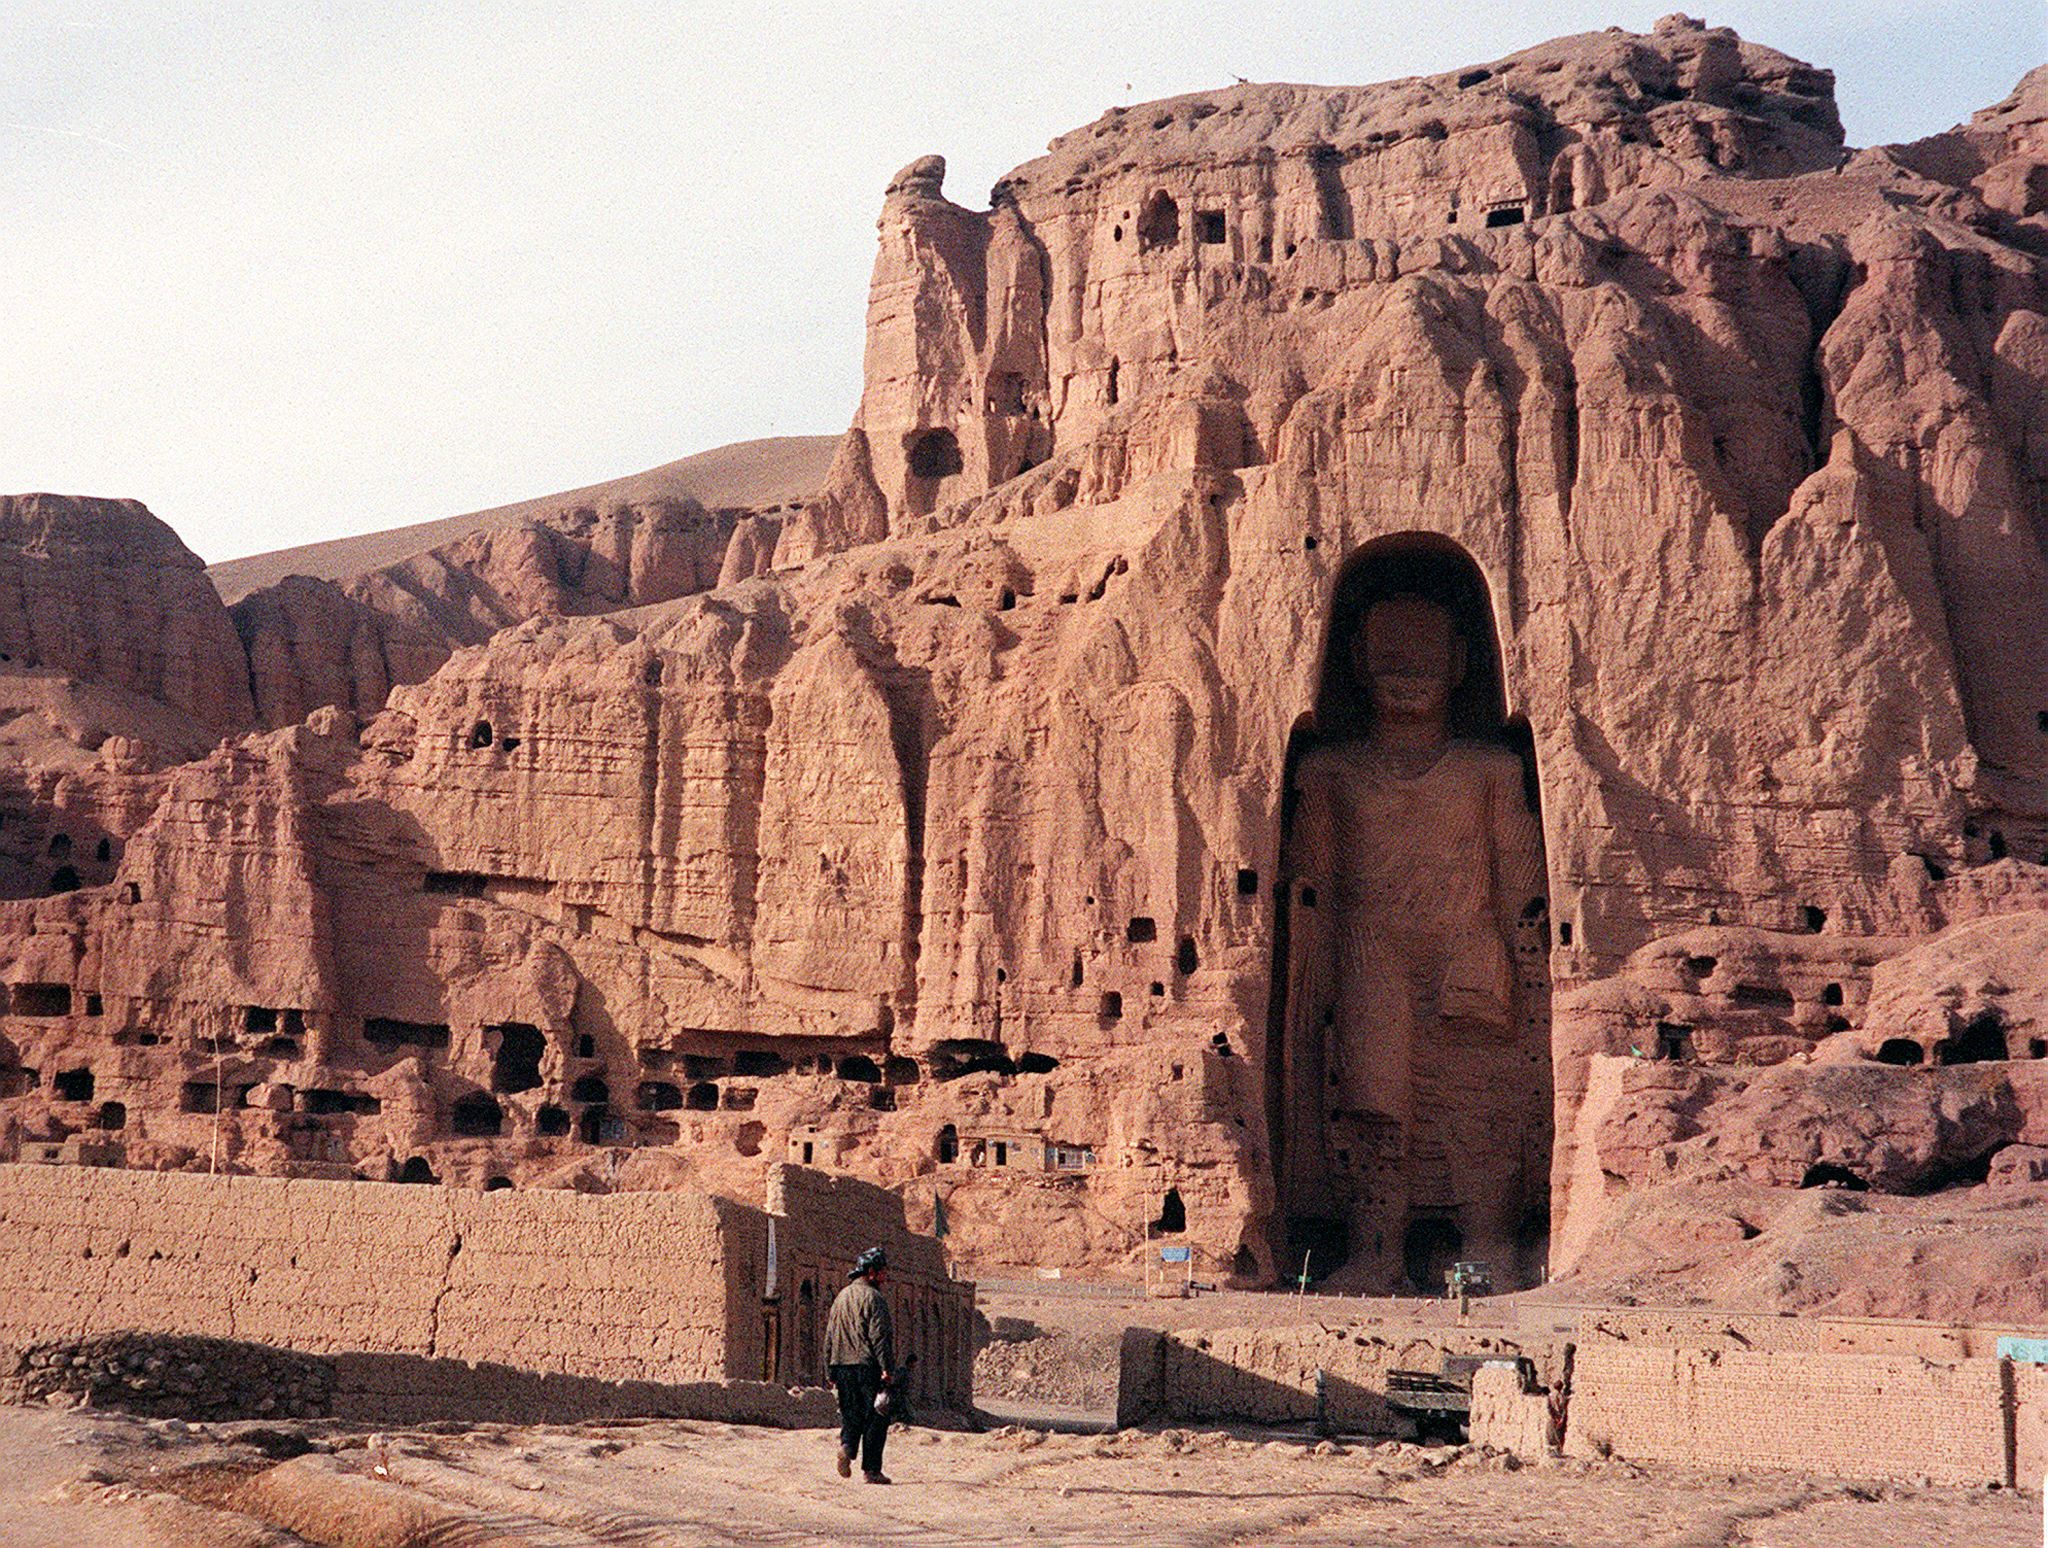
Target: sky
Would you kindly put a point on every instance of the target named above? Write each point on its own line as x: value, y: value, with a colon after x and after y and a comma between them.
x: 287, y: 272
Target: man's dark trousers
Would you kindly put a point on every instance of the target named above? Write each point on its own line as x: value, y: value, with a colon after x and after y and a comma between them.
x: 861, y: 1429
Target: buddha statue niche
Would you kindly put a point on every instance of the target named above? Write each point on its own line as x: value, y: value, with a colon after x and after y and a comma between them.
x: 1412, y: 857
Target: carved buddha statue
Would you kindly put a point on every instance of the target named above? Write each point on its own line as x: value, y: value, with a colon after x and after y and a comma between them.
x: 1412, y: 857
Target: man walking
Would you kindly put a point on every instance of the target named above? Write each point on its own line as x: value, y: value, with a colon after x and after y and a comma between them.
x: 860, y: 1351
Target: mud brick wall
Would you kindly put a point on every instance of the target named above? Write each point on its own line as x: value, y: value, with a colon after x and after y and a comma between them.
x: 2030, y: 1425
x: 825, y: 1222
x: 1706, y: 1329
x: 661, y: 1287
x: 1849, y: 1415
x: 1268, y: 1376
x: 1507, y: 1417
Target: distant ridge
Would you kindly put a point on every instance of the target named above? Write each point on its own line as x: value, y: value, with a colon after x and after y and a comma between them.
x: 778, y: 470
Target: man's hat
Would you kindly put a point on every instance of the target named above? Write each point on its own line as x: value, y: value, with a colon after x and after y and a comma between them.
x: 868, y: 1262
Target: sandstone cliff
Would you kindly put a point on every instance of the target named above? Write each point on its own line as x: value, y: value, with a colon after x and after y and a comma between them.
x: 937, y: 831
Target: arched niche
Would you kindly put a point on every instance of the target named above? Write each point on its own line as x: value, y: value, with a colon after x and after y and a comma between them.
x: 1392, y: 1106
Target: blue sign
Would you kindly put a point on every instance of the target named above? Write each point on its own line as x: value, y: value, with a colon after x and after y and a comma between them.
x: 2028, y: 1351
x: 1176, y: 1254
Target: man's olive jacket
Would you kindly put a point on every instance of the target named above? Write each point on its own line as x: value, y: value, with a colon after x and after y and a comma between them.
x: 857, y: 1331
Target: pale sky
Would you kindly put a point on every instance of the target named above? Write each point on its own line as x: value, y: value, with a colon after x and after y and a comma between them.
x: 290, y: 271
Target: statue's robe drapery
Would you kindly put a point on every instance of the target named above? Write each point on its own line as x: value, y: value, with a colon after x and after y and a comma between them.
x: 1406, y: 891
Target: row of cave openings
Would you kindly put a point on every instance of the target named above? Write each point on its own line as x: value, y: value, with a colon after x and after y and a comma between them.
x: 61, y: 863
x: 1156, y: 224
x: 1983, y: 1039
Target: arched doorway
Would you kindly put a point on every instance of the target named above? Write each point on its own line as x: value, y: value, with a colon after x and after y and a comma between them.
x: 1409, y: 1049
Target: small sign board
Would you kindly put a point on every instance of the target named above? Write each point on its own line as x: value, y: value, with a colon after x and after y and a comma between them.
x: 1176, y: 1254
x: 2027, y: 1351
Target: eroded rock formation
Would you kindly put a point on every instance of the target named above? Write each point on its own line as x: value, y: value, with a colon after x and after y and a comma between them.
x: 941, y: 831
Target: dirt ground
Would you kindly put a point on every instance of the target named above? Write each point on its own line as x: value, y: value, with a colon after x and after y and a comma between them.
x: 94, y: 1478
x: 1053, y: 1347
x: 1062, y: 1476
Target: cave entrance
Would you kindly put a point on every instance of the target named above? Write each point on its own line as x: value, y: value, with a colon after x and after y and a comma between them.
x: 1430, y: 1245
x: 1408, y: 1053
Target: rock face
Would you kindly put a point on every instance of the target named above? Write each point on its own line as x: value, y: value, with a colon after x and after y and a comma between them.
x: 315, y: 642
x: 948, y: 830
x: 102, y: 591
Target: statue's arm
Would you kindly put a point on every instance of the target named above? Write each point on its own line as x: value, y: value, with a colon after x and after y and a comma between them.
x: 1308, y: 860
x: 1518, y: 854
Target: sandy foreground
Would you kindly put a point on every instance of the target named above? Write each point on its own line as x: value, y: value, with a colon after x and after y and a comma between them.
x: 96, y: 1478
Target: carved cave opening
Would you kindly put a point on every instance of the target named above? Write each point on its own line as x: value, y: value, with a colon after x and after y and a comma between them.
x: 935, y: 455
x: 477, y: 1116
x: 515, y: 1066
x: 1429, y: 1247
x: 1408, y: 1054
x: 1982, y: 1041
x: 1158, y: 222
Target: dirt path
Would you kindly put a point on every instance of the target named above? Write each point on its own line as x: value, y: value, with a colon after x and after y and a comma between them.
x: 78, y: 1478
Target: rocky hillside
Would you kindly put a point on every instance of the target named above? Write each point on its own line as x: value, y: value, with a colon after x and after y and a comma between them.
x: 939, y: 830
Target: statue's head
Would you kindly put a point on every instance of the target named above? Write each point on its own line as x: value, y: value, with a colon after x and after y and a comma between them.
x: 1411, y: 658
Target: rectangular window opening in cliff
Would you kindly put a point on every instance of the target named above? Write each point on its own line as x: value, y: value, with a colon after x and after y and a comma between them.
x: 40, y: 1000
x: 1141, y: 930
x: 1505, y: 215
x: 1211, y: 229
x: 258, y: 1018
x: 592, y: 1127
x: 95, y: 1006
x: 199, y: 1096
x: 1442, y: 1031
x: 72, y: 1085
x: 1674, y: 1042
x: 455, y: 884
x: 389, y: 1032
x: 515, y: 1065
x: 658, y: 1096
